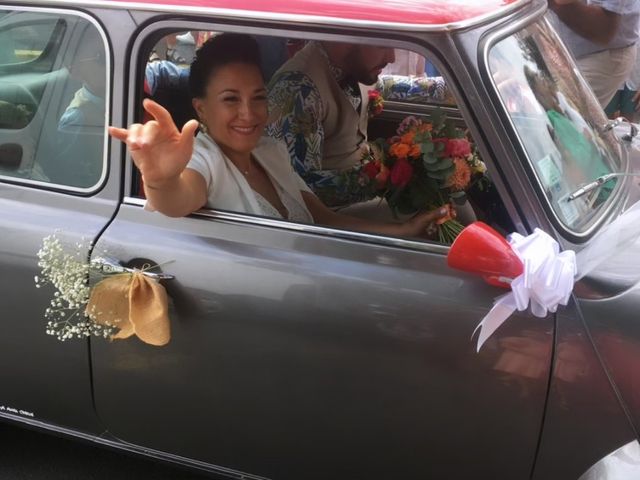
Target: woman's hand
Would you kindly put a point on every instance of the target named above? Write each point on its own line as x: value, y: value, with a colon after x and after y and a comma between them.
x: 159, y: 150
x: 424, y: 224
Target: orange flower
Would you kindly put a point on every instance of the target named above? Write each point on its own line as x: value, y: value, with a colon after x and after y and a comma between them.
x: 408, y: 137
x: 415, y: 151
x: 425, y: 127
x: 399, y: 150
x: 460, y: 178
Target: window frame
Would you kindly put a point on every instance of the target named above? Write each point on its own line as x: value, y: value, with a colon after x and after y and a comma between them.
x: 57, y: 187
x: 156, y: 29
x: 485, y: 46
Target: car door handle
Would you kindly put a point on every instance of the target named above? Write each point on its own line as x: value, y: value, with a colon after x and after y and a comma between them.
x: 111, y: 265
x: 611, y: 124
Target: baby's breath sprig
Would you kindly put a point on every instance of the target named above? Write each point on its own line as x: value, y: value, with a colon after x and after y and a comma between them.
x: 68, y: 273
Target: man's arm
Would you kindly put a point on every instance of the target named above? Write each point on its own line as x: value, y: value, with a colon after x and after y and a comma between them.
x: 165, y: 74
x: 296, y: 118
x: 592, y: 22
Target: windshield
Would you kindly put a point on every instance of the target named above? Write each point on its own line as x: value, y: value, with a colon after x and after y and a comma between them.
x: 557, y: 119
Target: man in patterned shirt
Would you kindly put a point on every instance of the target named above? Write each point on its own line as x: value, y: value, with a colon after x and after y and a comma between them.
x: 318, y: 104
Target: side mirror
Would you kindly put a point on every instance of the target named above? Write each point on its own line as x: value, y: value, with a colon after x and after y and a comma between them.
x: 481, y: 250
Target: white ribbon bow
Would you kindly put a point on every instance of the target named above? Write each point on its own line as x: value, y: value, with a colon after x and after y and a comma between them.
x: 547, y: 281
x: 549, y: 275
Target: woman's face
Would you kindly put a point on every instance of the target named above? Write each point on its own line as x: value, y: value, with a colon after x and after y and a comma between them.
x: 234, y: 108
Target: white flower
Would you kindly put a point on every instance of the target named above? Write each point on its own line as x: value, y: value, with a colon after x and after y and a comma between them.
x: 68, y: 273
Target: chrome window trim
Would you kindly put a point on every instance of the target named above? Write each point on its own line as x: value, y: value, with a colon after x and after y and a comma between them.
x: 109, y: 441
x: 105, y: 142
x: 370, y: 238
x: 292, y: 18
x: 491, y: 40
x: 397, y: 107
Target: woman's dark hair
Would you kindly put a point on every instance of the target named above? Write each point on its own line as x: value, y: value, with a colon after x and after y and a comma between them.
x: 217, y: 52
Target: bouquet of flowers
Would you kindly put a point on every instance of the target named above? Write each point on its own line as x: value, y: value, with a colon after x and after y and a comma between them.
x: 425, y: 166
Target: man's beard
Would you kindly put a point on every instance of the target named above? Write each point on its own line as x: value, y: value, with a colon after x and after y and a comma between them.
x: 369, y: 79
x: 359, y: 72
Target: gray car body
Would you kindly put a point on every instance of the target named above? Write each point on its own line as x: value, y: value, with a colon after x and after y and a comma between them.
x: 306, y: 352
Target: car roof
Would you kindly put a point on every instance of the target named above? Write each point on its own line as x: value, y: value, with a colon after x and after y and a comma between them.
x: 415, y: 14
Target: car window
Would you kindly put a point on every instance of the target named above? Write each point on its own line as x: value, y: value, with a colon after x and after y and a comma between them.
x: 25, y: 42
x: 558, y: 120
x: 413, y: 78
x: 369, y: 187
x: 52, y: 99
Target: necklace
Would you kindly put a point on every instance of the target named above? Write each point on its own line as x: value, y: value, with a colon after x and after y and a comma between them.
x: 248, y: 170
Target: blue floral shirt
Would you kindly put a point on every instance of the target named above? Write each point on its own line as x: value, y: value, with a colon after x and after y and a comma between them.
x: 300, y: 127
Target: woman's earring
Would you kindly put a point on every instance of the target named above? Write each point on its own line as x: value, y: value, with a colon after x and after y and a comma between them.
x: 203, y: 128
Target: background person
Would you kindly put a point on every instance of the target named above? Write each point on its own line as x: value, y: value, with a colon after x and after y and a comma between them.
x: 602, y: 36
x: 625, y: 102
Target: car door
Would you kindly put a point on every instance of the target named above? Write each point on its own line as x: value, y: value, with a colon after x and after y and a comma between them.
x: 42, y: 379
x: 296, y: 353
x: 300, y: 351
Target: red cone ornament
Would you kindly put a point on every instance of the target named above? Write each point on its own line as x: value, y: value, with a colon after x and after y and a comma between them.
x: 481, y: 250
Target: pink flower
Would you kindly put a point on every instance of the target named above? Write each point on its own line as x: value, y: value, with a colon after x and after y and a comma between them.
x: 457, y: 147
x: 453, y: 147
x: 408, y: 123
x: 401, y: 173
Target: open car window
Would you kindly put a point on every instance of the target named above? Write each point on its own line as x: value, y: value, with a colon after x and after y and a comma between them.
x: 435, y: 144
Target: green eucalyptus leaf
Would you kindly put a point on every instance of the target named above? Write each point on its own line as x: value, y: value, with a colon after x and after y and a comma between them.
x: 422, y: 137
x: 450, y: 131
x: 441, y: 174
x: 437, y: 119
x: 441, y: 164
x: 427, y: 147
x: 429, y: 158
